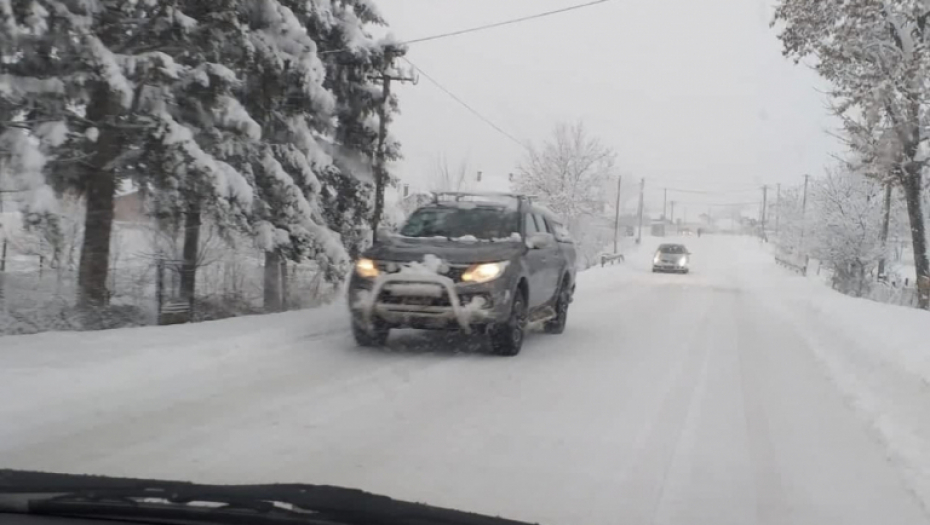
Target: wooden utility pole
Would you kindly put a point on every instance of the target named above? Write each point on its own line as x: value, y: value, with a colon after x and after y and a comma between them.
x: 886, y: 223
x: 665, y: 204
x: 777, y: 205
x: 617, y: 214
x: 765, y: 199
x: 381, y: 176
x: 2, y: 256
x: 642, y: 188
x: 803, y: 213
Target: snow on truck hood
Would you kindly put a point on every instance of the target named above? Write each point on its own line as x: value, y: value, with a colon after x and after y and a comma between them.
x: 455, y: 251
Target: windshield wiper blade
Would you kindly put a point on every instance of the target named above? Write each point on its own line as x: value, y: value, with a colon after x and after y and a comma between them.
x: 70, y: 494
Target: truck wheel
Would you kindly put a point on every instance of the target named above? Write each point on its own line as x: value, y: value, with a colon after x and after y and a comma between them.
x: 375, y: 338
x: 556, y: 325
x: 507, y: 338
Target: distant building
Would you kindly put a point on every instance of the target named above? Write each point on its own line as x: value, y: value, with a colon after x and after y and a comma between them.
x: 415, y: 200
x: 129, y: 207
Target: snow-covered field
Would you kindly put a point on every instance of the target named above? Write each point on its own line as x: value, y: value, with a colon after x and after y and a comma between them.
x: 737, y: 394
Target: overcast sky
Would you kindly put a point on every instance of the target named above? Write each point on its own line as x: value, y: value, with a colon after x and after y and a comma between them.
x: 691, y: 94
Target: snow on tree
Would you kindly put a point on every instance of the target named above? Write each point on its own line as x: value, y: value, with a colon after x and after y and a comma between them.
x: 216, y: 108
x: 568, y: 174
x: 876, y: 55
x: 846, y: 227
x: 94, y: 81
x: 354, y: 60
x: 284, y: 92
x: 791, y: 221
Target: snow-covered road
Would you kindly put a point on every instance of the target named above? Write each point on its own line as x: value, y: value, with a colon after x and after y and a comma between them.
x: 698, y: 399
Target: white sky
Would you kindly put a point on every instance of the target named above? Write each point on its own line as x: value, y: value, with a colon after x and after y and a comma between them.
x: 691, y: 94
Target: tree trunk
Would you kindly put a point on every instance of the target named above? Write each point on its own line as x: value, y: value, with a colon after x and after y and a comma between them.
x: 190, y: 254
x: 284, y: 285
x: 911, y: 184
x: 100, y: 188
x: 272, y: 282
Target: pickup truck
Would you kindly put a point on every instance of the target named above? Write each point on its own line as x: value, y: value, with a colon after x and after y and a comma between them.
x: 474, y: 263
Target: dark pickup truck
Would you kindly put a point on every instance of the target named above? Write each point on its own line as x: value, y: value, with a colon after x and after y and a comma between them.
x: 476, y: 263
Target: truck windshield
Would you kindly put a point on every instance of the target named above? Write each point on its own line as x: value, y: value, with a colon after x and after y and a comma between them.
x: 451, y: 222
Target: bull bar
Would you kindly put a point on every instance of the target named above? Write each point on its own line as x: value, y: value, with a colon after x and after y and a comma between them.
x: 455, y: 310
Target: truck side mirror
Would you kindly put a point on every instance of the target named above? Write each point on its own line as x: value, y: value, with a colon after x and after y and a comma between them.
x: 540, y: 240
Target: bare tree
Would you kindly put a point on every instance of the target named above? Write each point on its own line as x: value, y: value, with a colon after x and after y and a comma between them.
x: 447, y: 178
x: 568, y: 172
x: 571, y: 173
x: 876, y: 55
x: 846, y: 227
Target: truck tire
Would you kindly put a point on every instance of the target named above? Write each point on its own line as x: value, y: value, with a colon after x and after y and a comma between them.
x: 556, y: 325
x: 376, y: 338
x: 507, y: 337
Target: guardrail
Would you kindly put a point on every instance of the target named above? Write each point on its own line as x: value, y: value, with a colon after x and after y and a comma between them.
x: 611, y: 258
x: 174, y: 312
x: 797, y: 268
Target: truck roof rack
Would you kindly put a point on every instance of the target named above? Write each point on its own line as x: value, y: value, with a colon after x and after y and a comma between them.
x: 480, y: 197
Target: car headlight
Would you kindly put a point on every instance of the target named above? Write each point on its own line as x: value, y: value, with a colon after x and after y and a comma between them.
x: 683, y: 261
x: 366, y: 268
x: 656, y: 259
x: 482, y: 273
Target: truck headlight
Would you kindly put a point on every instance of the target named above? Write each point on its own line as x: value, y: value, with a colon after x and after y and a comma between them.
x: 482, y: 273
x: 366, y: 268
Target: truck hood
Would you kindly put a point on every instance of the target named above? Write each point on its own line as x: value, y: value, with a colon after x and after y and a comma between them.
x: 408, y: 249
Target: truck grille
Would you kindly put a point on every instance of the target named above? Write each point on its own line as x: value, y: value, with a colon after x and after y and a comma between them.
x: 455, y: 271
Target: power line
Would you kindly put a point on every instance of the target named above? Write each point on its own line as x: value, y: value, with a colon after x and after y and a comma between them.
x: 486, y: 26
x: 718, y: 204
x: 732, y: 184
x: 464, y: 104
x: 506, y: 22
x: 711, y: 192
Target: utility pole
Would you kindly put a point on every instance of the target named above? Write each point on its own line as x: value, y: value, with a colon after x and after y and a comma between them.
x: 665, y: 204
x: 777, y: 206
x: 3, y: 252
x: 886, y: 222
x: 672, y: 215
x: 803, y: 213
x: 642, y: 188
x: 617, y: 214
x: 765, y: 199
x: 2, y: 257
x: 380, y: 168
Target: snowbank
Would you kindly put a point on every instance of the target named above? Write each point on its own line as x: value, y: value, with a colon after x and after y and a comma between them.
x: 882, y: 366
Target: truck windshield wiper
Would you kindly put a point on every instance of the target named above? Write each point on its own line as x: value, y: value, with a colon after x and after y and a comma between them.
x: 181, y: 502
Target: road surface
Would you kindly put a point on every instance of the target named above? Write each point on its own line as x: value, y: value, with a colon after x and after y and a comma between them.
x: 670, y: 399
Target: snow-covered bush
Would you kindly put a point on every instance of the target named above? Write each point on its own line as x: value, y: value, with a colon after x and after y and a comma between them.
x: 846, y: 228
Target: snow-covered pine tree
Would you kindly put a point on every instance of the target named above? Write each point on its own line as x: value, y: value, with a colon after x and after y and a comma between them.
x: 65, y: 78
x: 876, y: 55
x: 92, y: 80
x: 197, y: 161
x: 283, y: 91
x: 354, y: 61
